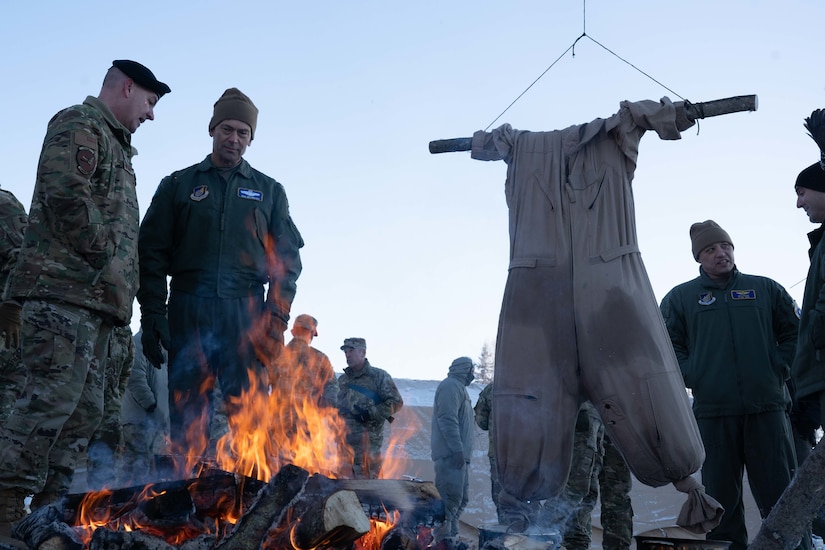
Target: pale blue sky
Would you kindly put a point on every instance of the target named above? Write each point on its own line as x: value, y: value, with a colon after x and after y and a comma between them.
x: 408, y: 249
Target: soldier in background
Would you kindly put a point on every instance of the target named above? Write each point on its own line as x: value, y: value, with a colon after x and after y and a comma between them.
x: 304, y: 371
x: 76, y: 276
x: 367, y: 398
x: 570, y: 511
x: 145, y: 417
x: 13, y: 221
x: 484, y: 419
x: 451, y: 440
x: 615, y: 484
x: 104, y: 446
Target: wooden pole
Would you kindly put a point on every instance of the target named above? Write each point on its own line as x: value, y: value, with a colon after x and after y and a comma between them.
x: 694, y: 110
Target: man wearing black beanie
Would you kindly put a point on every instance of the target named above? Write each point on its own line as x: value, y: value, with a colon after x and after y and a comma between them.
x: 808, y: 370
x: 223, y: 232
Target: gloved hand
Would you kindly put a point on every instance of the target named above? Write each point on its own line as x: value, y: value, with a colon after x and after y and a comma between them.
x: 10, y: 324
x: 155, y: 334
x: 457, y: 460
x: 363, y: 414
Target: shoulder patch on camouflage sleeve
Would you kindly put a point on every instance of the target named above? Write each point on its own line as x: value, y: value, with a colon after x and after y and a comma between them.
x: 85, y: 152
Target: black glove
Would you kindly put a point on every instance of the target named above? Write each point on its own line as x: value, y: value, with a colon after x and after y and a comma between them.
x: 10, y: 324
x: 363, y: 414
x: 457, y: 460
x: 151, y: 408
x: 155, y: 334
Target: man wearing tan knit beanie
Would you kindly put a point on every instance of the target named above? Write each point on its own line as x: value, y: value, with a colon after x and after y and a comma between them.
x: 223, y: 232
x: 735, y: 336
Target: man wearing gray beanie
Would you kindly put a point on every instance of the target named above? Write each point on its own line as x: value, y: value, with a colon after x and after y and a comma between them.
x: 223, y: 232
x: 734, y: 336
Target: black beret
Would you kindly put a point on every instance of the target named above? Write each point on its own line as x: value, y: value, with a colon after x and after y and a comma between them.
x: 812, y: 177
x: 142, y: 76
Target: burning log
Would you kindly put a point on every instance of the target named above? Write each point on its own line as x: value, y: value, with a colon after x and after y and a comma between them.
x: 269, y: 510
x: 335, y: 521
x: 44, y: 529
x: 106, y: 539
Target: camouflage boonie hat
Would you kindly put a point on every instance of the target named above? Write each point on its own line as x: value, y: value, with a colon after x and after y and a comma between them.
x: 355, y: 343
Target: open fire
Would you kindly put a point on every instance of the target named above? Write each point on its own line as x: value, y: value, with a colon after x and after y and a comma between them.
x: 272, y: 481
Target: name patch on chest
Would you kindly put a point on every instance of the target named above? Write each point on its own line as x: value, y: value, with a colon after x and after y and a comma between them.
x: 743, y: 294
x: 706, y: 298
x: 199, y: 193
x: 251, y: 194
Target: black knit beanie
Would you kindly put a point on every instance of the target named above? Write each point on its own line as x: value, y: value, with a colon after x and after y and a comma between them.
x: 812, y: 177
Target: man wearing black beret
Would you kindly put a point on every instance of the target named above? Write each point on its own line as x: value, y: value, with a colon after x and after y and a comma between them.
x: 75, y: 280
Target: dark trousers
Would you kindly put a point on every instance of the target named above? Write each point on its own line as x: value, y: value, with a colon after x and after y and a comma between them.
x: 760, y: 443
x: 211, y: 340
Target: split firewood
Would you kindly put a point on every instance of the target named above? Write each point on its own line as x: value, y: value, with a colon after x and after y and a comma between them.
x: 418, y: 502
x: 333, y: 521
x: 44, y: 529
x: 267, y: 511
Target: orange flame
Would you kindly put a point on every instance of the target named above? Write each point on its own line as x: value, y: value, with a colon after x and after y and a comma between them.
x: 378, y: 530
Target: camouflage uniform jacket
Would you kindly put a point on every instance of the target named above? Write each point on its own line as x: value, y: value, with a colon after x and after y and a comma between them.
x: 483, y: 415
x: 219, y: 239
x: 304, y: 374
x: 13, y: 220
x: 370, y: 389
x: 80, y: 246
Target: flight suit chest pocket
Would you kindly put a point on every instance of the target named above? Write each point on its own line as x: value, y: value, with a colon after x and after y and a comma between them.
x: 585, y: 186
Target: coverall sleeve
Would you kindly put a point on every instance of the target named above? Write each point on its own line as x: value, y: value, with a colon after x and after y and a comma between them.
x: 785, y: 324
x: 138, y: 383
x: 155, y: 242
x: 286, y: 267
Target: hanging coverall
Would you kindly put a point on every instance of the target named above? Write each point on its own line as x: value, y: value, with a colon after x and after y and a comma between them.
x: 579, y: 320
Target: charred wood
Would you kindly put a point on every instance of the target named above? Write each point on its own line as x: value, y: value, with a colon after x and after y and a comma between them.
x: 268, y: 510
x: 44, y: 529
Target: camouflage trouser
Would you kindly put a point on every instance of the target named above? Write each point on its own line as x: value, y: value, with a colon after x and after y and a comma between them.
x: 104, y: 445
x: 617, y: 512
x: 495, y: 488
x: 570, y: 511
x: 13, y: 376
x: 64, y: 351
x: 365, y: 440
x: 140, y: 444
x: 453, y: 486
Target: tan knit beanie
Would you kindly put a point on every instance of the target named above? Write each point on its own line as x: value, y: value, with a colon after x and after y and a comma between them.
x: 704, y: 234
x: 234, y: 105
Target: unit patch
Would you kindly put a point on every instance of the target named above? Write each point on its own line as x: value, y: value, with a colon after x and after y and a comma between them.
x: 251, y: 194
x: 706, y: 298
x: 199, y: 193
x: 86, y: 160
x: 743, y: 294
